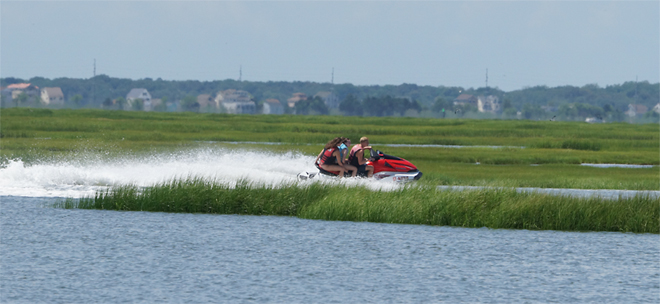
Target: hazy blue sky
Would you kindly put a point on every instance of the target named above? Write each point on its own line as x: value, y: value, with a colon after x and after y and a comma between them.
x: 428, y: 43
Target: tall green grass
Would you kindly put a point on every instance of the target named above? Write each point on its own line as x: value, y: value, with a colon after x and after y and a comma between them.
x: 493, y: 208
x: 173, y: 127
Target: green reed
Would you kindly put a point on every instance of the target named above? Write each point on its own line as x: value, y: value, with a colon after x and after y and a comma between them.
x: 493, y: 208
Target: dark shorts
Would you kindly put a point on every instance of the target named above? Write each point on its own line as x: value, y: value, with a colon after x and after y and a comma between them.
x: 362, y: 168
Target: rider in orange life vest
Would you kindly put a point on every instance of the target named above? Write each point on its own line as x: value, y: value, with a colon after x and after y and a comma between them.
x: 357, y: 159
x: 330, y: 158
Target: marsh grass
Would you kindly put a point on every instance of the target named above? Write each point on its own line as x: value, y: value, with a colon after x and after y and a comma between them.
x: 38, y: 135
x: 492, y: 208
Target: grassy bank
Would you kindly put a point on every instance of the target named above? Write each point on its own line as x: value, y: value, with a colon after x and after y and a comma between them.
x: 493, y: 208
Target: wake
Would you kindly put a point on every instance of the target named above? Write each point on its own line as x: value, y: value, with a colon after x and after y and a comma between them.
x: 85, y: 177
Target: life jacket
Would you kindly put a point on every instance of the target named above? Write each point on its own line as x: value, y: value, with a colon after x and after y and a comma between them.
x: 352, y: 158
x: 327, y: 158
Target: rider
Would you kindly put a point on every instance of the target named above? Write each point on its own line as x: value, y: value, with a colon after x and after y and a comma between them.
x: 330, y: 159
x: 357, y: 159
x: 343, y: 151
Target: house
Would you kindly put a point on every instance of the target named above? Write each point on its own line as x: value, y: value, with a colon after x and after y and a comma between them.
x: 142, y: 94
x: 273, y: 106
x: 593, y: 120
x: 52, y: 96
x: 466, y: 99
x: 296, y: 98
x: 236, y: 101
x: 636, y: 109
x: 17, y: 89
x: 205, y: 101
x: 656, y: 108
x: 330, y: 99
x: 490, y: 104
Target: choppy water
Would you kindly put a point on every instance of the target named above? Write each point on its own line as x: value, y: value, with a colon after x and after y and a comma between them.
x: 89, y: 256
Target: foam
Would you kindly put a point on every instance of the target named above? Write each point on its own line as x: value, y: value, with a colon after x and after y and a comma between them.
x: 87, y: 175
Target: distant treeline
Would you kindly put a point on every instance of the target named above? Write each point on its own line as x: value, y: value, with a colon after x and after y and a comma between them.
x: 540, y: 102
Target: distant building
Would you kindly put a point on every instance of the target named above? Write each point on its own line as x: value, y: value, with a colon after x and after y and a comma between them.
x: 236, y: 102
x: 490, y: 104
x: 330, y: 99
x: 273, y: 106
x: 296, y: 98
x: 636, y: 109
x: 52, y: 96
x: 593, y: 120
x: 142, y: 94
x: 656, y: 108
x: 466, y: 99
x: 15, y: 90
x: 205, y: 101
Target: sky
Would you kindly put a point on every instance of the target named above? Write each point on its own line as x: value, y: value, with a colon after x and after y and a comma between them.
x: 505, y: 44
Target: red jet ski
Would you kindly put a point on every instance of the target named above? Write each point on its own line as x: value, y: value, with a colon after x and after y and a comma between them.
x: 386, y: 167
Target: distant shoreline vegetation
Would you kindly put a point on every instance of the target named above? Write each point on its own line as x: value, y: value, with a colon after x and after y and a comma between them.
x: 492, y: 208
x: 636, y: 102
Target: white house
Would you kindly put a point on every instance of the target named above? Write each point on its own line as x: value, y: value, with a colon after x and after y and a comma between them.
x: 636, y: 109
x: 236, y: 102
x: 142, y: 94
x: 52, y: 96
x: 330, y: 99
x: 273, y: 106
x: 488, y: 103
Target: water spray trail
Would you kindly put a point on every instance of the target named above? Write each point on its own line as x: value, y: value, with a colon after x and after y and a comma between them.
x: 85, y: 177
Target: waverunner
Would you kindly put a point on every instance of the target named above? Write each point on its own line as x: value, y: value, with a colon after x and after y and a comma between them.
x: 386, y: 167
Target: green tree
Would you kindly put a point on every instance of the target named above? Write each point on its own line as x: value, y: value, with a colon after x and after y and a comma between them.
x: 137, y: 104
x: 440, y: 104
x: 76, y: 100
x: 21, y: 99
x: 351, y: 106
x: 107, y: 103
x: 311, y: 106
x: 532, y: 111
x: 121, y: 103
x: 510, y: 113
x: 189, y: 103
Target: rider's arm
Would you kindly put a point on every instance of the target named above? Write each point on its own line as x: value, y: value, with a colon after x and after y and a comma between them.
x: 338, y: 156
x: 317, y: 157
x: 360, y: 156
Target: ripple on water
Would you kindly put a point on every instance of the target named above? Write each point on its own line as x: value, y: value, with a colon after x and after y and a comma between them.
x: 88, y: 256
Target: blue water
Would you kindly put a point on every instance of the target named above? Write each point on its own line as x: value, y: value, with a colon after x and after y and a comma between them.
x: 53, y: 255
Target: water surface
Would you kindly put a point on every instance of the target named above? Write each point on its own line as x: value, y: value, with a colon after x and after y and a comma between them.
x: 90, y: 256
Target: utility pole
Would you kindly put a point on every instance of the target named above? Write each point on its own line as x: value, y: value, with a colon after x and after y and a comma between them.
x: 635, y: 102
x: 332, y: 80
x: 93, y: 84
x: 486, y: 78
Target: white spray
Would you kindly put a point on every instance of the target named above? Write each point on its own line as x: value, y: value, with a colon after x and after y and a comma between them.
x: 85, y: 177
